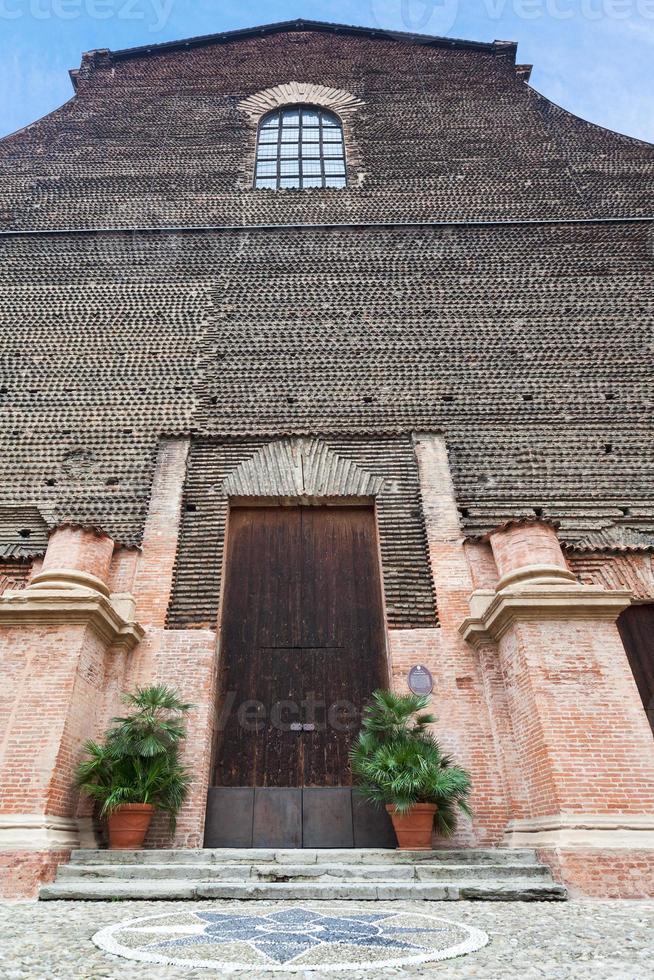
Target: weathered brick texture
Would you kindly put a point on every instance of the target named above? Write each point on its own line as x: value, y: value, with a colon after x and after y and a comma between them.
x: 519, y: 340
x: 78, y: 550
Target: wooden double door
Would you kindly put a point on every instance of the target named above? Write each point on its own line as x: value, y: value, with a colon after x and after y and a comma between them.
x: 302, y: 644
x: 302, y: 649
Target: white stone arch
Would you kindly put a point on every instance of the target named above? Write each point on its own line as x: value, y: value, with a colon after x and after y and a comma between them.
x: 296, y: 93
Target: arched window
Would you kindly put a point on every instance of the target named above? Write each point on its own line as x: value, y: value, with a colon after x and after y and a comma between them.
x: 300, y: 146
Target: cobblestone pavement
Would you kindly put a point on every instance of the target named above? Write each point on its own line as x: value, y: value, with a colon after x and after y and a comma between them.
x: 598, y: 940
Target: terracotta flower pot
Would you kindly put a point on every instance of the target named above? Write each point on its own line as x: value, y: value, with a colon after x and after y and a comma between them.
x: 414, y: 828
x: 128, y: 825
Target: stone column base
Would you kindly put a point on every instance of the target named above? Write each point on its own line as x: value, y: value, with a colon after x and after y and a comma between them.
x: 595, y: 855
x: 32, y: 845
x: 23, y: 872
x: 589, y: 830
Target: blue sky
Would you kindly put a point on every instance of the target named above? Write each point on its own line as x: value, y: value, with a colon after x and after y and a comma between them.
x: 594, y: 57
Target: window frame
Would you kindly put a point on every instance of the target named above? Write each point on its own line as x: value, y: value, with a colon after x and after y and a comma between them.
x: 278, y: 159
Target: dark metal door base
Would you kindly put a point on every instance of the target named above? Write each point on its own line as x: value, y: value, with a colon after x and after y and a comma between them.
x: 330, y: 816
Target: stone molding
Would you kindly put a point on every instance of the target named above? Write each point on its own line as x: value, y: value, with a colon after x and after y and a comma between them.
x: 67, y: 578
x: 291, y: 93
x: 74, y: 605
x: 544, y: 574
x: 536, y: 599
x: 600, y: 830
x: 37, y: 832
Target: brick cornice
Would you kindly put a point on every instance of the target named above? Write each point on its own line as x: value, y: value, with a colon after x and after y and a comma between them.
x: 495, y: 613
x: 74, y: 606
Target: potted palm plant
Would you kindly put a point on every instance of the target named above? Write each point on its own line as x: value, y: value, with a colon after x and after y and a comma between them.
x: 398, y: 763
x: 137, y: 769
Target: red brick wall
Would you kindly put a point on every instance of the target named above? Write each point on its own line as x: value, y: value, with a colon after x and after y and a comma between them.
x: 154, y: 576
x: 593, y: 873
x: 583, y: 737
x: 464, y: 728
x: 463, y: 698
x: 21, y: 872
x: 187, y: 661
x: 52, y: 684
x: 619, y: 571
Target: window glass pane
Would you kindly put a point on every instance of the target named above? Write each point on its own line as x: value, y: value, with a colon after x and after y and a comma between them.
x: 332, y: 150
x: 334, y: 167
x: 300, y: 146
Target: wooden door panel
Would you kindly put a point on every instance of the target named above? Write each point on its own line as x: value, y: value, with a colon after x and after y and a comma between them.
x: 277, y: 817
x: 302, y: 626
x: 230, y: 815
x: 327, y: 817
x: 636, y: 626
x: 268, y: 817
x: 277, y: 745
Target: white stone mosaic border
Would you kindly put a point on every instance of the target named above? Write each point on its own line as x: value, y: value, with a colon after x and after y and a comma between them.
x: 475, y: 939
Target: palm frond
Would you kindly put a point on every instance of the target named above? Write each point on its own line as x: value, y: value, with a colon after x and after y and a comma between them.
x: 139, y: 761
x: 397, y: 759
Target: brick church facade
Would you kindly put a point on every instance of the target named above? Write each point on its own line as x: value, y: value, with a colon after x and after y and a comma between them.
x: 369, y: 303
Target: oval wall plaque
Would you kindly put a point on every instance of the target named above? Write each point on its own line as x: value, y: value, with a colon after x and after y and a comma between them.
x: 420, y: 680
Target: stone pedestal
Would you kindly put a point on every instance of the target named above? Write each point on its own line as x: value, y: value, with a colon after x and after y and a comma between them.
x: 585, y: 750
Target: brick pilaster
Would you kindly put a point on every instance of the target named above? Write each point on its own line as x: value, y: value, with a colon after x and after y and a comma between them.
x: 585, y: 750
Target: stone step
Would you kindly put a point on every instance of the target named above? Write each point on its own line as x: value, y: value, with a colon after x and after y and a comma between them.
x: 511, y: 890
x: 272, y: 872
x: 234, y: 855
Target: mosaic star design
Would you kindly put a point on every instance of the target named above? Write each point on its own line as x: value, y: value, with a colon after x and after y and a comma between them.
x: 284, y: 935
x: 291, y: 939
